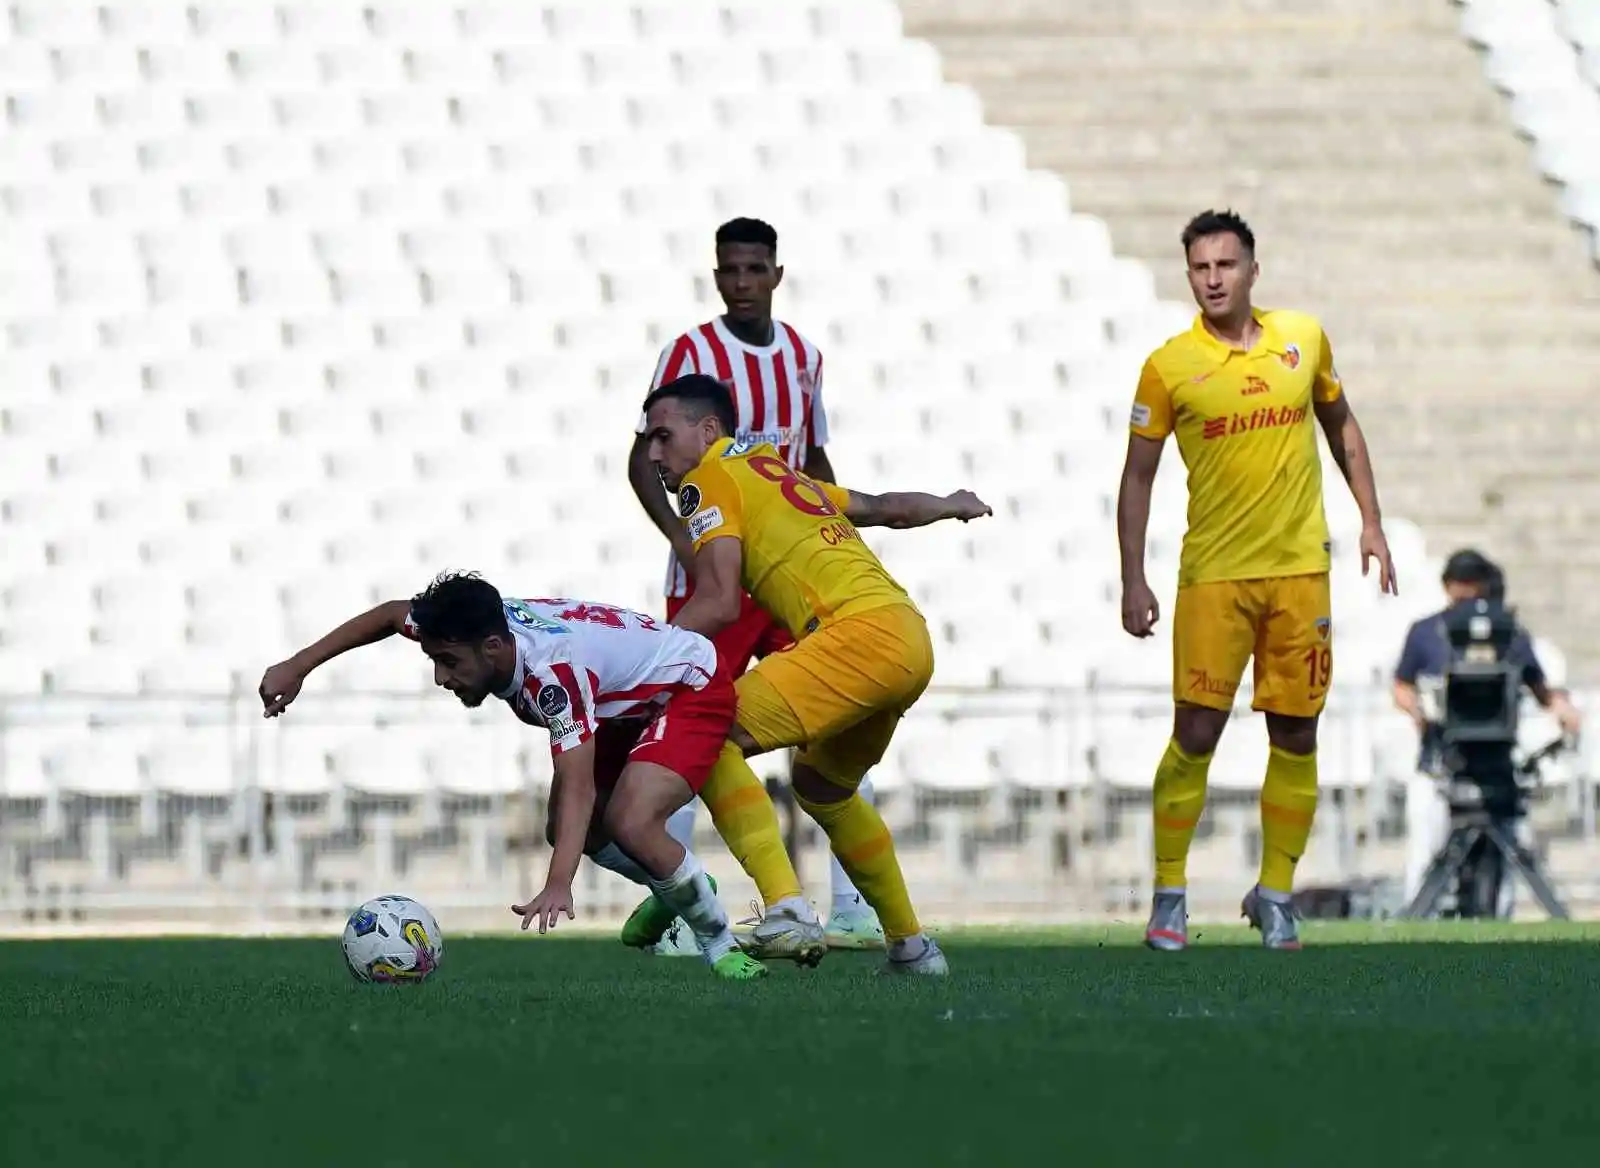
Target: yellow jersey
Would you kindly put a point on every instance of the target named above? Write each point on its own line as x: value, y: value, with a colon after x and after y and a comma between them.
x: 804, y: 562
x: 1247, y: 433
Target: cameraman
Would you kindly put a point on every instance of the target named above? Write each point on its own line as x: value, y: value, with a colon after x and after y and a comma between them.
x: 1468, y: 575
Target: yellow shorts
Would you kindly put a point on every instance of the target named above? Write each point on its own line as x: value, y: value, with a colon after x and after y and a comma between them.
x: 840, y: 693
x: 1284, y: 622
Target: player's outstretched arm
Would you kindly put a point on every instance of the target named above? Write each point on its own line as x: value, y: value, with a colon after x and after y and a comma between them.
x: 1348, y: 446
x: 281, y: 683
x: 1140, y: 610
x: 903, y: 509
x: 572, y: 799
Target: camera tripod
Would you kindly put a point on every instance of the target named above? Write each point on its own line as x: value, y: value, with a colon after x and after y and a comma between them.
x: 1474, y: 827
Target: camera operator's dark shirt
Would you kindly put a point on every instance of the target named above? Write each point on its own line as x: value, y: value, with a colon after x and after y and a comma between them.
x: 1426, y: 656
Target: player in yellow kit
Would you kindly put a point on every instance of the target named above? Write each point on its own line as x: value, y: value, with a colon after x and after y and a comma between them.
x: 862, y: 654
x: 1241, y: 390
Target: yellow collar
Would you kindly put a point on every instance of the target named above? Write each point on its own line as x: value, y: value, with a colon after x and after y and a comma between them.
x: 1221, y: 350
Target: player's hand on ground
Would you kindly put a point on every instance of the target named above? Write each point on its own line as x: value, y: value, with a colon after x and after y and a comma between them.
x: 1375, y: 546
x: 280, y: 685
x: 964, y: 505
x: 1140, y: 609
x: 547, y: 907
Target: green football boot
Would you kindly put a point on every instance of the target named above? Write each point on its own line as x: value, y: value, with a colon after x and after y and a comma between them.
x: 648, y: 923
x: 738, y: 966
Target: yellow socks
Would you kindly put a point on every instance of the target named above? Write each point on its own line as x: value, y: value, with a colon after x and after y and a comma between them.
x: 865, y: 848
x: 748, y: 823
x: 1176, y: 802
x: 1288, y: 804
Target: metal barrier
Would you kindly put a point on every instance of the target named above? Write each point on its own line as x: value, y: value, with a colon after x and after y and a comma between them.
x: 1006, y: 804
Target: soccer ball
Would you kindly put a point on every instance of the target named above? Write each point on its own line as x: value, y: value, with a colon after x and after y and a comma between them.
x: 392, y: 938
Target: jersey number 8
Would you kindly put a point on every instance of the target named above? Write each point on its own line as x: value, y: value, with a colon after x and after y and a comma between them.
x: 802, y: 493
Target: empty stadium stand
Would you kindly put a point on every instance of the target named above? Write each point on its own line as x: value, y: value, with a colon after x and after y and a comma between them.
x: 303, y: 302
x: 1391, y: 194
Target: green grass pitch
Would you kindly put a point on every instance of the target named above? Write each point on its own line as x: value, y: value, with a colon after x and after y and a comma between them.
x: 1374, y: 1046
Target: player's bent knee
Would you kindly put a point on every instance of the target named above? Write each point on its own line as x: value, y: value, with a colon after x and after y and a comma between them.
x: 1292, y: 734
x: 742, y: 738
x: 626, y: 820
x: 812, y: 786
x: 1198, y: 729
x: 646, y: 794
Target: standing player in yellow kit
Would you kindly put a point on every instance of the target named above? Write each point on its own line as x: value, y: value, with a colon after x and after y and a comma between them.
x: 862, y: 654
x: 1240, y: 390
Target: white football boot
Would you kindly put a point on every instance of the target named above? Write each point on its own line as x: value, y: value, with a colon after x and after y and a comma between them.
x: 855, y: 927
x: 1168, y: 929
x: 781, y: 934
x: 1275, y: 920
x: 928, y: 962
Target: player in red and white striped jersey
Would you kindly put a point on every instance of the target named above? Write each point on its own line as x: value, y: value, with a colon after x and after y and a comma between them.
x: 637, y: 714
x: 775, y: 376
x: 579, y: 665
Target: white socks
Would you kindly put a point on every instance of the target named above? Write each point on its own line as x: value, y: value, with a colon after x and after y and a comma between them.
x: 797, y: 907
x: 846, y: 896
x: 908, y: 948
x: 680, y: 825
x: 688, y: 892
x: 614, y: 859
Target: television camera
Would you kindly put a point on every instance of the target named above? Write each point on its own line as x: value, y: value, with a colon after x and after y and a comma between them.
x: 1473, y: 725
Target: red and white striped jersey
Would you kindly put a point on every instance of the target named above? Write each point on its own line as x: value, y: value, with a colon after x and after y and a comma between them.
x: 777, y: 392
x: 580, y: 664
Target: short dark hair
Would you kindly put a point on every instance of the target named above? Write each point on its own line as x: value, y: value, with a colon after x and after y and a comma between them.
x: 460, y: 608
x: 749, y: 231
x: 700, y: 395
x: 1218, y: 223
x: 1468, y: 566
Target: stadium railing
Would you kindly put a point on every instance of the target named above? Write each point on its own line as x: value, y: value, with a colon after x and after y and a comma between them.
x: 1017, y: 803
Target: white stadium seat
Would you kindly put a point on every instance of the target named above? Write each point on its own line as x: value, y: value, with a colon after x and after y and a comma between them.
x: 204, y: 762
x: 673, y: 24
x: 580, y: 25
x: 302, y: 302
x: 413, y: 24
x: 858, y: 23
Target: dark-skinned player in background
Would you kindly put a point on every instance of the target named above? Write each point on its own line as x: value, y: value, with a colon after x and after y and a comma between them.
x: 774, y: 375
